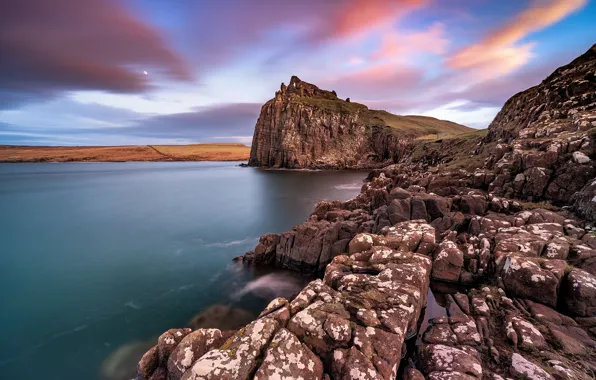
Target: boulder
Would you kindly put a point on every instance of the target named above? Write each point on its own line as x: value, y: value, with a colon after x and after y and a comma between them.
x: 533, y: 278
x: 167, y: 342
x: 288, y: 358
x: 579, y: 293
x: 584, y: 201
x: 439, y: 361
x: 523, y: 368
x: 191, y: 348
x: 448, y: 262
x: 238, y: 358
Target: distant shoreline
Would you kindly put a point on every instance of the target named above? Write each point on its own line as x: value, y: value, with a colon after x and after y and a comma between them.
x: 128, y: 153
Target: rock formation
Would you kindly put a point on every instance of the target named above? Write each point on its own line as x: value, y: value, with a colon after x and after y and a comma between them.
x: 545, y: 136
x: 514, y: 282
x: 306, y: 127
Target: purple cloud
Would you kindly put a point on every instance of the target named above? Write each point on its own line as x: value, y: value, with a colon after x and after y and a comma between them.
x: 52, y: 46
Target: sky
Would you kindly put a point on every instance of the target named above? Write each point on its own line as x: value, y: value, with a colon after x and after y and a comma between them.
x: 135, y: 72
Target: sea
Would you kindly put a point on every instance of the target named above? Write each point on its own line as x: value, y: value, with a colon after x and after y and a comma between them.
x: 98, y: 259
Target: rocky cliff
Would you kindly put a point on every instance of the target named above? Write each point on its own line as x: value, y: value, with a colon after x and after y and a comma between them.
x: 512, y: 284
x: 306, y: 127
x: 543, y: 139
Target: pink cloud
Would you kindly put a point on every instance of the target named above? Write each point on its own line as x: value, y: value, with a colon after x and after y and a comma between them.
x: 380, y: 81
x: 402, y: 43
x: 357, y: 16
x: 499, y: 52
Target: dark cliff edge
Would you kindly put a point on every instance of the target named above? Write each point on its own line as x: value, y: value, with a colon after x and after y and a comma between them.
x: 473, y: 258
x: 306, y: 127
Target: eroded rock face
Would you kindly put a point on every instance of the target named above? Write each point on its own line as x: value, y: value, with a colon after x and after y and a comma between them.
x: 306, y: 127
x: 545, y: 138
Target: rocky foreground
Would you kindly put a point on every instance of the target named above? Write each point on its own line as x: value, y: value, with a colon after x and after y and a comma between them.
x: 470, y: 258
x: 526, y: 307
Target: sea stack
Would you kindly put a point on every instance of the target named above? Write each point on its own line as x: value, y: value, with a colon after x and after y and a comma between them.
x: 306, y: 127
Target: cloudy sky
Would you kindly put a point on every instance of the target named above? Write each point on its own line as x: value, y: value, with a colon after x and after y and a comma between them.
x: 72, y: 72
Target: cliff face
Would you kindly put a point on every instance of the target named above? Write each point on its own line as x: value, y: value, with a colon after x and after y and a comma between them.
x: 564, y: 101
x: 542, y: 141
x: 306, y: 127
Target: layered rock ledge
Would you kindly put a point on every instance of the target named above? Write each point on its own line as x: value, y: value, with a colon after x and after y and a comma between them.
x: 352, y: 324
x: 524, y: 305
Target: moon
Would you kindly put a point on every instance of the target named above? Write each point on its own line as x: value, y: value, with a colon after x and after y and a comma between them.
x: 146, y: 73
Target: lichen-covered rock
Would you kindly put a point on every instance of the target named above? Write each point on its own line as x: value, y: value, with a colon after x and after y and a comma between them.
x: 579, y: 294
x: 524, y: 368
x: 440, y: 361
x: 528, y: 337
x: 190, y: 349
x: 167, y: 342
x: 415, y: 236
x: 448, y: 262
x: 288, y: 358
x: 237, y: 359
x: 534, y: 279
x: 584, y: 201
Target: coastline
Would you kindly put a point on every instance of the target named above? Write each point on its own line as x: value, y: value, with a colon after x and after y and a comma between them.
x: 402, y: 252
x: 125, y: 153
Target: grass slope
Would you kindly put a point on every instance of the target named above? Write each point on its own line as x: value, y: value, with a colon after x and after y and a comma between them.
x: 452, y: 151
x: 409, y: 125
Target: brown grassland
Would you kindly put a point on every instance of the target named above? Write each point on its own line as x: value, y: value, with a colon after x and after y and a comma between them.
x: 193, y: 152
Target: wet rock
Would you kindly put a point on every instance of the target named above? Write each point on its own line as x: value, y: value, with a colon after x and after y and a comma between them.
x: 148, y: 363
x: 436, y: 206
x: 473, y: 204
x: 463, y: 302
x: 168, y: 341
x: 398, y: 211
x: 310, y: 246
x: 418, y: 210
x: 399, y: 193
x: 221, y: 317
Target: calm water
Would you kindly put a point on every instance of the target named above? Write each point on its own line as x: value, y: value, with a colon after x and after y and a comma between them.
x: 98, y: 255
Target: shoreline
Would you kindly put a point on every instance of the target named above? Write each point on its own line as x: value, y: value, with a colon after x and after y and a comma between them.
x: 125, y: 153
x: 389, y: 259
